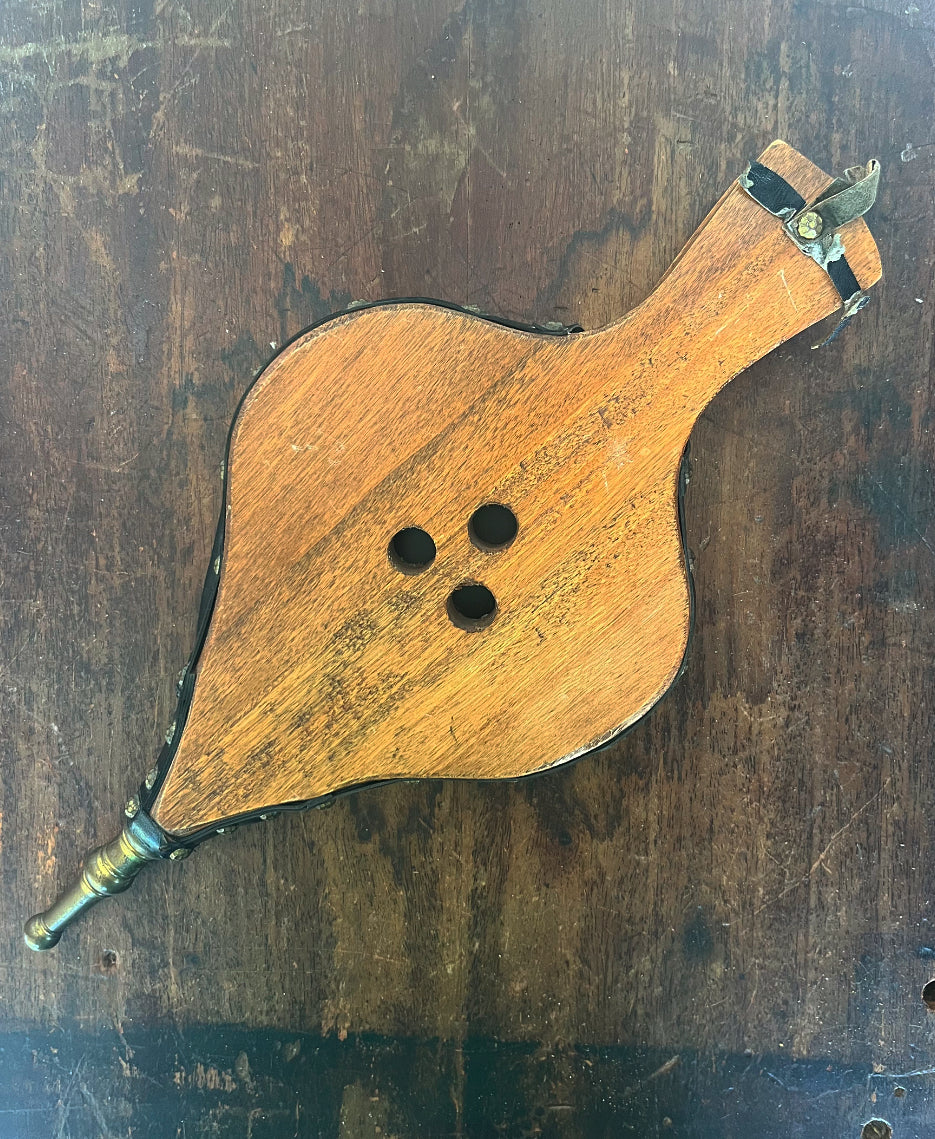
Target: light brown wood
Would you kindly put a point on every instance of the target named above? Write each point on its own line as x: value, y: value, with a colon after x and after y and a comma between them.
x: 326, y: 667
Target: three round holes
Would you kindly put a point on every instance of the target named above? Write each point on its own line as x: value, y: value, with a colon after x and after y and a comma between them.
x: 491, y: 527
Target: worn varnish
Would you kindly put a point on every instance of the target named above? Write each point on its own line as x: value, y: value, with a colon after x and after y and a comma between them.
x: 327, y: 667
x: 182, y: 185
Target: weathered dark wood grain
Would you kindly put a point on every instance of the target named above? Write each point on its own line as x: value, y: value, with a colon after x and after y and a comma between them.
x: 180, y: 186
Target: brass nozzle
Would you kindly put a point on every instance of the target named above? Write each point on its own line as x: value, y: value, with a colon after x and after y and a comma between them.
x: 110, y: 869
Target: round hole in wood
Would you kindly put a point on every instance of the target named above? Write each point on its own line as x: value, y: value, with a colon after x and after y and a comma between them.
x: 928, y: 996
x: 876, y: 1129
x: 471, y: 606
x: 411, y: 550
x: 492, y: 526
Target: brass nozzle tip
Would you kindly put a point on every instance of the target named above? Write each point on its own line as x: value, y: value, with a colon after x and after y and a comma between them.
x: 38, y: 936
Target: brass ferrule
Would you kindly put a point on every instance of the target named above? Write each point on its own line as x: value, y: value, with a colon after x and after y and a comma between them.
x: 108, y: 870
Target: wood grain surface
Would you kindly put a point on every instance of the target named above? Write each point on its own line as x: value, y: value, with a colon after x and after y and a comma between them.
x: 327, y: 667
x: 743, y: 883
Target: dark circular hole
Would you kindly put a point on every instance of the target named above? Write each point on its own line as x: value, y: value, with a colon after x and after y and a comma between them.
x: 411, y: 550
x: 928, y: 996
x: 492, y: 526
x: 876, y: 1129
x: 472, y: 606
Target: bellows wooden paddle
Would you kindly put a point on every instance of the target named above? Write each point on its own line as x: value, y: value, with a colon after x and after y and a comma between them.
x: 451, y: 546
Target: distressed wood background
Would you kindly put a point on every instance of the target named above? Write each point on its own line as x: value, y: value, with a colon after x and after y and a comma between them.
x: 719, y: 927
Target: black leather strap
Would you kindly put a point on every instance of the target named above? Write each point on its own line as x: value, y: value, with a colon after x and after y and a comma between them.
x: 775, y: 194
x: 843, y: 277
x: 843, y: 200
x: 771, y: 191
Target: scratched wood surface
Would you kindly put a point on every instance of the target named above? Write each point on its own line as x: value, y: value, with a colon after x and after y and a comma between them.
x: 744, y: 882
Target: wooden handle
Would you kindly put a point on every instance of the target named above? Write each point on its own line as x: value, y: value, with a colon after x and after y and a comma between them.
x: 739, y: 289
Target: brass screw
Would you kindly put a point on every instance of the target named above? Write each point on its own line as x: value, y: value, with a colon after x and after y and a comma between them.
x: 178, y: 855
x: 132, y: 808
x: 809, y: 225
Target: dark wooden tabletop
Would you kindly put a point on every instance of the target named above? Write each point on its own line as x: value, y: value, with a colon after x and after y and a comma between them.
x: 721, y: 926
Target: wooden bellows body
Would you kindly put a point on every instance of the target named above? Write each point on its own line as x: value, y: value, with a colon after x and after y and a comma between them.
x: 328, y: 666
x: 451, y: 547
